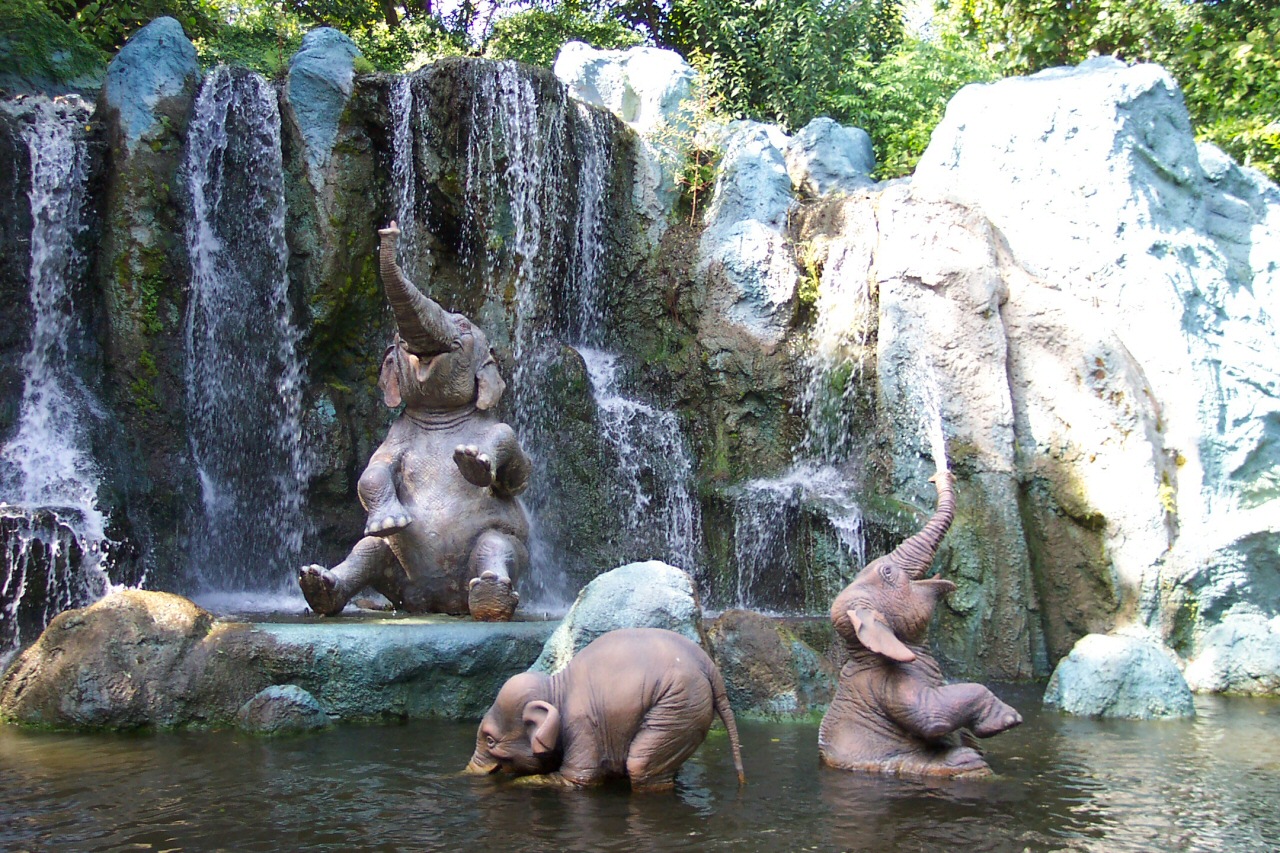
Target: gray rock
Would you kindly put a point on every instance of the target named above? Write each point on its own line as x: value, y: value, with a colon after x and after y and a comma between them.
x: 321, y: 76
x: 1119, y: 676
x: 158, y: 63
x: 282, y: 709
x: 638, y: 595
x: 1239, y: 655
x: 768, y: 671
x: 143, y: 659
x: 825, y: 157
x: 744, y: 249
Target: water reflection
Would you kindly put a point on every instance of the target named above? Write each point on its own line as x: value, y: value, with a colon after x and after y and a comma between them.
x: 1062, y: 784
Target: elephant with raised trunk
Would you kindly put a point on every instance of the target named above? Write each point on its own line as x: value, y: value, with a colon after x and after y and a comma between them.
x: 892, y: 711
x: 444, y: 532
x: 634, y: 703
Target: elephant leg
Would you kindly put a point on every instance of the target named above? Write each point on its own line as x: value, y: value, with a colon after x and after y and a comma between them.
x: 495, y: 559
x: 495, y: 461
x: 328, y: 590
x: 657, y: 752
x: 377, y: 490
x: 933, y: 712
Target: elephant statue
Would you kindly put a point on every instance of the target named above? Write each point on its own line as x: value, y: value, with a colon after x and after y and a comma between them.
x: 892, y: 711
x: 444, y: 531
x: 634, y: 703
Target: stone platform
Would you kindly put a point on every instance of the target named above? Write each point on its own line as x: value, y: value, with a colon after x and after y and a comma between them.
x: 148, y: 659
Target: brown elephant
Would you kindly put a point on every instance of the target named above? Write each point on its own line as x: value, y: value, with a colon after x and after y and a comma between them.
x: 892, y: 711
x: 634, y: 703
x: 444, y: 531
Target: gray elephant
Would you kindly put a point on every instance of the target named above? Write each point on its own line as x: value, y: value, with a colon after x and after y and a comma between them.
x: 634, y: 703
x: 892, y: 711
x: 444, y: 533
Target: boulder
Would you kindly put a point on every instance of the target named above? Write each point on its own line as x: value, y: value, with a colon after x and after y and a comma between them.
x: 1239, y: 655
x: 321, y: 80
x: 769, y: 672
x: 647, y: 87
x: 282, y: 709
x: 1130, y: 677
x: 744, y: 250
x: 825, y: 157
x: 638, y: 595
x: 157, y: 65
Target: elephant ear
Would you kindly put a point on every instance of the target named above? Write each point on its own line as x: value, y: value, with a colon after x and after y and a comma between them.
x: 874, y: 632
x: 489, y: 384
x: 542, y: 719
x: 389, y: 378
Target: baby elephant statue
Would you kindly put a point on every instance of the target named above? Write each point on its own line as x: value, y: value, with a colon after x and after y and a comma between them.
x: 635, y: 703
x: 892, y: 711
x: 444, y: 533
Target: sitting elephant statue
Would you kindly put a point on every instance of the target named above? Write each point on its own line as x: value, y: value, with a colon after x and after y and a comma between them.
x: 892, y: 711
x: 634, y: 703
x: 445, y: 533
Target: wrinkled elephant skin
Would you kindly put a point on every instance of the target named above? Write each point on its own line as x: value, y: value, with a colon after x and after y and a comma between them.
x: 634, y: 703
x: 445, y: 533
x: 893, y: 712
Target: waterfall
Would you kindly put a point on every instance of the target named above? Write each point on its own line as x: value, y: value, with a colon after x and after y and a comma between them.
x: 244, y: 375
x: 654, y: 473
x: 403, y: 170
x: 772, y: 571
x: 51, y: 529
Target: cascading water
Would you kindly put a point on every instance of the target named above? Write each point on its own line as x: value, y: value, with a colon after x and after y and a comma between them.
x: 654, y: 474
x: 244, y: 375
x: 767, y: 513
x: 52, y: 531
x: 544, y: 159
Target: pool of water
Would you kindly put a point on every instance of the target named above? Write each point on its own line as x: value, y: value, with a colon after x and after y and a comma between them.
x: 1212, y: 783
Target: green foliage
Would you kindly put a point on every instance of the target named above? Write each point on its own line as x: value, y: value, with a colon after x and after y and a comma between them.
x: 107, y: 24
x: 536, y: 35
x: 784, y: 60
x: 262, y: 38
x: 685, y: 137
x: 36, y: 43
x: 901, y: 100
x: 408, y: 46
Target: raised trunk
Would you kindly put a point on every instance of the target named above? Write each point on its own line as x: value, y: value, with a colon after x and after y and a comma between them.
x: 915, y: 554
x: 424, y: 326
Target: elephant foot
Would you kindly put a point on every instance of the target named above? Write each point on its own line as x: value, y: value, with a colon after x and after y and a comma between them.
x: 491, y: 598
x: 998, y: 718
x: 387, y: 521
x: 476, y: 467
x: 320, y: 589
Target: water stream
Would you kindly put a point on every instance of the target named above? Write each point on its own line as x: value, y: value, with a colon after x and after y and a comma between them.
x: 244, y: 410
x: 1063, y: 784
x: 51, y: 528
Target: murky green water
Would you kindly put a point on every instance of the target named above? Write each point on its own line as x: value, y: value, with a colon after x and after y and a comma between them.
x: 1063, y: 784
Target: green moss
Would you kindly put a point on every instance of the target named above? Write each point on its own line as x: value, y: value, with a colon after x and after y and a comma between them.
x: 142, y: 389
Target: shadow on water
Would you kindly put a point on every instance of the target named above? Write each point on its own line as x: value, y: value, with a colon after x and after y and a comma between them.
x: 1063, y: 784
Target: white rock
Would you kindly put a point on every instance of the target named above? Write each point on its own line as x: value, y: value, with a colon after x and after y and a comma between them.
x: 1118, y: 676
x: 1239, y: 655
x: 825, y: 157
x: 638, y: 595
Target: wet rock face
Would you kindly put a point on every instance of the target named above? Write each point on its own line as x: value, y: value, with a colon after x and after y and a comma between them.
x: 282, y: 710
x: 15, y: 236
x: 321, y: 80
x: 768, y: 671
x: 1119, y: 676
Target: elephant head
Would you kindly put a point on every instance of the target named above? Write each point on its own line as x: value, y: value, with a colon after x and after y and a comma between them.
x: 521, y: 731
x: 439, y: 359
x: 889, y: 605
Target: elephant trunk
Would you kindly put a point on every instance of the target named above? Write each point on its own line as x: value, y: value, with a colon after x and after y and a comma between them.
x: 916, y: 554
x: 424, y: 326
x: 481, y: 765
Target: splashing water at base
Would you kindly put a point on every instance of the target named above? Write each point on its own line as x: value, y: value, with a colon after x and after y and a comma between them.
x: 51, y: 529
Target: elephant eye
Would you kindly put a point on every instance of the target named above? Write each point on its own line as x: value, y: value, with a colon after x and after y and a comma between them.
x: 886, y: 572
x: 489, y: 741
